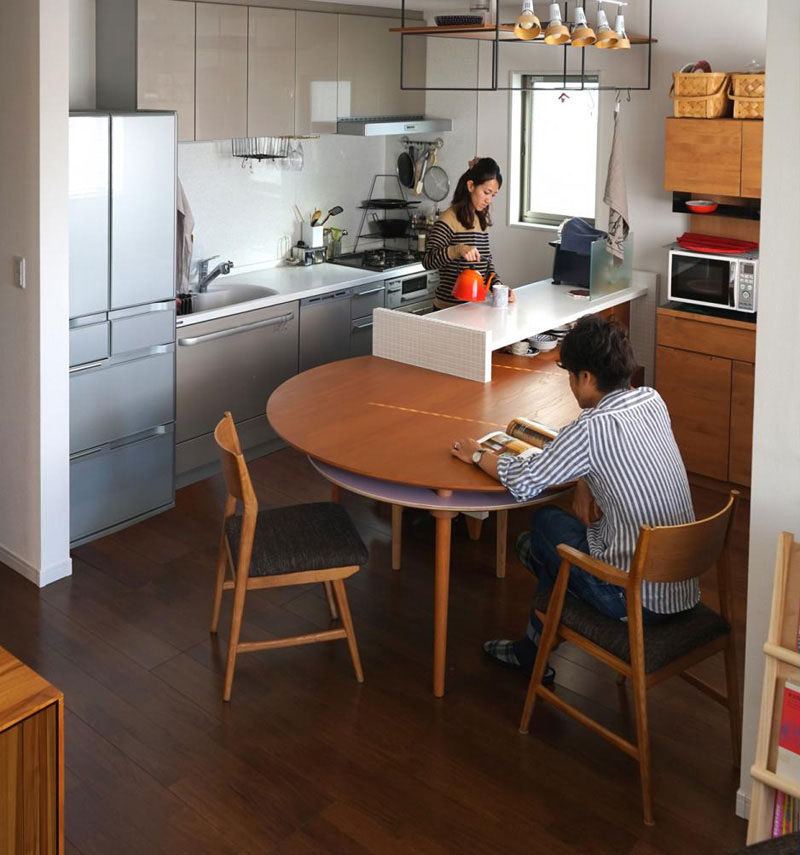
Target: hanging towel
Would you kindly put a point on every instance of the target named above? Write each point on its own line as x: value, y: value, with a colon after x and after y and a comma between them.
x: 184, y: 241
x: 616, y: 195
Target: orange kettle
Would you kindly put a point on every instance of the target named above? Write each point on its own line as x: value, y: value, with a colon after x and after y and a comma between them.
x: 470, y: 286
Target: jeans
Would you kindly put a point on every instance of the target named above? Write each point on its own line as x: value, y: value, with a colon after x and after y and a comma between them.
x: 549, y: 527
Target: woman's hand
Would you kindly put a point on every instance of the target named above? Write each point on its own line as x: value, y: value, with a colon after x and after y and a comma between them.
x: 511, y: 297
x: 583, y: 504
x: 468, y: 253
x: 463, y: 449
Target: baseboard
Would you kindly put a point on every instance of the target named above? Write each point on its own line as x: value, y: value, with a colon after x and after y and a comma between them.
x: 34, y: 574
x: 742, y: 804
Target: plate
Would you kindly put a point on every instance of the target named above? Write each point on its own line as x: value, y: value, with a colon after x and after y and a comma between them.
x: 701, y: 206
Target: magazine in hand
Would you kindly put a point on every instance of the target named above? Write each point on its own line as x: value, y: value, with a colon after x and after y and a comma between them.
x: 522, y: 438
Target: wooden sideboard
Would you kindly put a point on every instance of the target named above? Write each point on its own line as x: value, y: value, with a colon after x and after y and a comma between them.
x: 31, y: 762
x: 705, y: 374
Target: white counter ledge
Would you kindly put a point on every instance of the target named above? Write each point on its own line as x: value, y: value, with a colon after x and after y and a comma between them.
x: 539, y: 306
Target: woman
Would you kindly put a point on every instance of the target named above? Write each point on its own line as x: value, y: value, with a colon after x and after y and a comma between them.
x: 459, y: 240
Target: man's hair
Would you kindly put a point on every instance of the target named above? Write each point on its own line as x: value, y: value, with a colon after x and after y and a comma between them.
x: 602, y: 348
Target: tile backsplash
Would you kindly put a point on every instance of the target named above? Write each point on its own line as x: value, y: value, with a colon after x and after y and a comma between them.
x: 245, y: 214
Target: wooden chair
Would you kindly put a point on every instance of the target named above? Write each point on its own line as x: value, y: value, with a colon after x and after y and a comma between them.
x: 649, y: 654
x: 293, y: 545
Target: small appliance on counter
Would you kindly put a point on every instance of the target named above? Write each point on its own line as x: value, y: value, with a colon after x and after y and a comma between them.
x: 723, y: 279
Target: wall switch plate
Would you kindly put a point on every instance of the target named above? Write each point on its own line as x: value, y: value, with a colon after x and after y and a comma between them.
x: 19, y: 272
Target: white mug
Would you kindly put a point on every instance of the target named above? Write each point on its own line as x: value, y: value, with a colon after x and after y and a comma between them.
x: 499, y: 296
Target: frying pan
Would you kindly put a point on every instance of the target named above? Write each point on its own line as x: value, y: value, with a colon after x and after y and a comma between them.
x: 390, y: 228
x: 405, y: 170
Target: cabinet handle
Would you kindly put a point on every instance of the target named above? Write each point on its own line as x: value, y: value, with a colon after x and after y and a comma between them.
x: 364, y: 326
x: 366, y: 293
x: 269, y: 322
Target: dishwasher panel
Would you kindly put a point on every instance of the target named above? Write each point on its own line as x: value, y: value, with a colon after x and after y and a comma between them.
x: 233, y: 363
x: 324, y: 329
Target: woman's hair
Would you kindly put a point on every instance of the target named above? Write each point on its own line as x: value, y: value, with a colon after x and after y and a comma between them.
x: 602, y: 348
x: 484, y: 170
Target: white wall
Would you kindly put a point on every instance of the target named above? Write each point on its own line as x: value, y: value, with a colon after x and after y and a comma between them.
x: 34, y: 417
x: 241, y: 214
x: 775, y: 491
x: 82, y: 55
x: 684, y: 30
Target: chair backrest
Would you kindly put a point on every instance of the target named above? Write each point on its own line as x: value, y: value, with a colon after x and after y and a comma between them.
x: 678, y: 552
x: 234, y: 467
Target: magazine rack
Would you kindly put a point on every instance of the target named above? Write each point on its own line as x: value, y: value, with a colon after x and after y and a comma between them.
x: 782, y: 664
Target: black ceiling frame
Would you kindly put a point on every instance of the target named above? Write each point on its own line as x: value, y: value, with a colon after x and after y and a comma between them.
x: 497, y: 41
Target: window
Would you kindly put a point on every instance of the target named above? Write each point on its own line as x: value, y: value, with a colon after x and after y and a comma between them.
x: 558, y: 149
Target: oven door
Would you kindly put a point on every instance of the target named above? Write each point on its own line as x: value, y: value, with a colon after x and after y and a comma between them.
x: 708, y: 280
x: 420, y: 307
x: 407, y: 289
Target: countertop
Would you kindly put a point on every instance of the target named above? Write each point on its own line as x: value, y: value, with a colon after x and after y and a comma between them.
x: 292, y: 283
x: 539, y: 306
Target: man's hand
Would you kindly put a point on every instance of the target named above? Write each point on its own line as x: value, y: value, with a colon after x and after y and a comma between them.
x: 583, y: 504
x: 463, y: 449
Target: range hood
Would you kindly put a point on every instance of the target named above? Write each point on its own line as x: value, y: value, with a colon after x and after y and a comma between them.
x: 383, y: 126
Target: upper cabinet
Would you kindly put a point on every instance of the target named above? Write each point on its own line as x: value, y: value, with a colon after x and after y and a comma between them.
x: 713, y: 156
x: 316, y: 61
x: 271, y: 72
x: 221, y: 80
x: 165, y: 66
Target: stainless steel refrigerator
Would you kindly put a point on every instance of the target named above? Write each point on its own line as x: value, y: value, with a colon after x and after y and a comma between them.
x: 122, y: 174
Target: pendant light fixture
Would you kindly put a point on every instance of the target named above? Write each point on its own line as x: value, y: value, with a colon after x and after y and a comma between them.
x: 606, y: 37
x: 556, y: 33
x: 623, y: 42
x: 527, y: 25
x: 582, y: 34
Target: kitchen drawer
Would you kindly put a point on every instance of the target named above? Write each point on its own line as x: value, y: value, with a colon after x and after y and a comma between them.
x: 707, y: 337
x: 119, y: 482
x: 142, y: 326
x: 121, y: 398
x: 88, y: 342
x: 363, y: 300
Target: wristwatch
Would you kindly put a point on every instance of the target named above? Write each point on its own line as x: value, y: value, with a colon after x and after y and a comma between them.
x: 476, y: 456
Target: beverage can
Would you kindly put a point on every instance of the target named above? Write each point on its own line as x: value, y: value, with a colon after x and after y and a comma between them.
x: 499, y: 296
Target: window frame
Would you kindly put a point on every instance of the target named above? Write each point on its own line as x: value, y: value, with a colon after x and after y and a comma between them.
x: 525, y: 214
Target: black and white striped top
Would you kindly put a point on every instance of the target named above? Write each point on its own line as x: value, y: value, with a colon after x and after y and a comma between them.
x: 625, y: 450
x: 447, y: 231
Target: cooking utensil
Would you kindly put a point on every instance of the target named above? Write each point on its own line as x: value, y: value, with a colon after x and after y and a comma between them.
x: 336, y: 209
x: 299, y: 215
x: 470, y: 286
x: 390, y: 228
x: 436, y: 184
x: 388, y: 204
x: 315, y: 216
x: 405, y: 170
x: 701, y: 206
x: 418, y: 185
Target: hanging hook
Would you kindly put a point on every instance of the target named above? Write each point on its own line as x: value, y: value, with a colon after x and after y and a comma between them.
x: 563, y: 97
x: 629, y: 94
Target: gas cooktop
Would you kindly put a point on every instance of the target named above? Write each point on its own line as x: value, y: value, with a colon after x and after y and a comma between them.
x: 378, y: 259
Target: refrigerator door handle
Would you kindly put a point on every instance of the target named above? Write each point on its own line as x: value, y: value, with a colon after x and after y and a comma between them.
x: 78, y: 368
x: 270, y: 322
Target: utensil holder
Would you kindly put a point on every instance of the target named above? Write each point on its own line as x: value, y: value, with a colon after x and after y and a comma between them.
x: 313, y: 235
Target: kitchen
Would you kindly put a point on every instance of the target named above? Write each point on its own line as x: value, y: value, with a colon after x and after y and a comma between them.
x: 247, y: 216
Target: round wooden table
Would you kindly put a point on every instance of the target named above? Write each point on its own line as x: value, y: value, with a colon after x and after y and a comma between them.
x: 384, y: 429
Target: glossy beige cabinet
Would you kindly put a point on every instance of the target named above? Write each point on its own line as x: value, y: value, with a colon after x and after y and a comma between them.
x: 316, y: 68
x: 271, y: 72
x: 221, y: 77
x: 165, y: 62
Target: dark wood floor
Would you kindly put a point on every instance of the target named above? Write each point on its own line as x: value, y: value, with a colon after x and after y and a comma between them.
x: 304, y: 760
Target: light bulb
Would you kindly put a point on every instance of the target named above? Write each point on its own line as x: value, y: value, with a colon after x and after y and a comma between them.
x: 606, y: 37
x: 527, y: 25
x: 623, y: 42
x: 556, y: 33
x: 582, y: 34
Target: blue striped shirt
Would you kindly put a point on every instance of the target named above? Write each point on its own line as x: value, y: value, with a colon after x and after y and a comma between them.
x: 625, y: 450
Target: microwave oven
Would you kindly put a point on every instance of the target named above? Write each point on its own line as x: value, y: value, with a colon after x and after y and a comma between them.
x: 719, y: 281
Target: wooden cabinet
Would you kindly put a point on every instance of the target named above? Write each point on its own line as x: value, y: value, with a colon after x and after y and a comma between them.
x: 316, y: 61
x: 221, y: 78
x: 165, y: 61
x: 31, y: 762
x: 270, y: 72
x: 704, y: 373
x: 713, y: 156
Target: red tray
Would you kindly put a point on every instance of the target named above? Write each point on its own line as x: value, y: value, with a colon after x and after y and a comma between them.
x: 714, y: 244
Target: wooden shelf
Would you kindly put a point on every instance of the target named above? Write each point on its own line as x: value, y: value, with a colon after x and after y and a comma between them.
x: 487, y: 32
x: 746, y: 209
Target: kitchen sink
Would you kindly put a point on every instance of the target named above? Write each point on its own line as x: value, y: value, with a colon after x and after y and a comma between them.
x: 217, y: 298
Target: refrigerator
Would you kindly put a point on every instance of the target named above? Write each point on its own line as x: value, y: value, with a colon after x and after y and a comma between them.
x: 122, y: 227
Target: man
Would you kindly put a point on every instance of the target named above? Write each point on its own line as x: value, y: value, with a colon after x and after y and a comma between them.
x: 631, y: 474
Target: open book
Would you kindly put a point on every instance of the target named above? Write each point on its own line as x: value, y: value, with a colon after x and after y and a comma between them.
x: 522, y: 438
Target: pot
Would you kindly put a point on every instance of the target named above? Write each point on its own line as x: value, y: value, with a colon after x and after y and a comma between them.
x: 390, y: 228
x: 470, y: 286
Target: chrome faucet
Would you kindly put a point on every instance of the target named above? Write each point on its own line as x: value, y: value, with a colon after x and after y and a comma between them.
x: 205, y: 278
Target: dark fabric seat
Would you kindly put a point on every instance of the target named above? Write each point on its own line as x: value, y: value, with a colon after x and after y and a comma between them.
x: 301, y: 537
x: 663, y: 642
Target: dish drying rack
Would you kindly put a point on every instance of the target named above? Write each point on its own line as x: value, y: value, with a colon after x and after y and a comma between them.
x: 265, y: 148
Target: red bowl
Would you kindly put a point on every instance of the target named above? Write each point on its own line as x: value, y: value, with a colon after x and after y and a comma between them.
x: 701, y: 206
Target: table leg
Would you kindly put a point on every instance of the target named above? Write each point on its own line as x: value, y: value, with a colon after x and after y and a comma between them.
x: 502, y: 541
x: 397, y: 536
x: 336, y: 493
x: 444, y: 521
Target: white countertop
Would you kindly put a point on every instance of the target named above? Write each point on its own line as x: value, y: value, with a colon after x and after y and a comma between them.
x: 539, y: 306
x: 292, y: 283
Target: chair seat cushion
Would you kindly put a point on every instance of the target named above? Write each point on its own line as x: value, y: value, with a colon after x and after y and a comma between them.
x: 663, y: 642
x: 300, y: 537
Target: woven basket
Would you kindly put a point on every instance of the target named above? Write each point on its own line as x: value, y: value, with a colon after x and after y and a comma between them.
x: 700, y: 96
x: 747, y: 93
